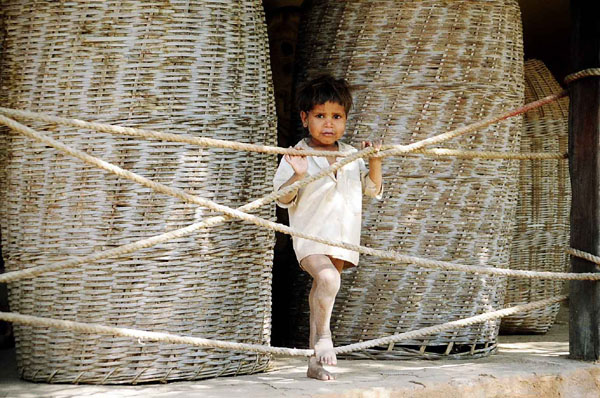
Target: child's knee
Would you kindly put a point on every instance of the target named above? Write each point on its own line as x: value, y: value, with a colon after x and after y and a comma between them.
x: 329, y: 280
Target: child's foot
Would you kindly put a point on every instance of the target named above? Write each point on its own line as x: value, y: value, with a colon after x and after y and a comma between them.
x: 324, y: 350
x: 317, y: 371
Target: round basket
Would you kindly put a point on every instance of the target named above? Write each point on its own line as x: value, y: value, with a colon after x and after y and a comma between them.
x: 421, y: 68
x: 195, y: 67
x: 542, y: 227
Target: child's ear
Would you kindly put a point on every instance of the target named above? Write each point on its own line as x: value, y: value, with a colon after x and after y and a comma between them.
x: 304, y: 116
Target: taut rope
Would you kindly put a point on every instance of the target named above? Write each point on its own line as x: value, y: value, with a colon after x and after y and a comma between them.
x: 387, y: 254
x: 388, y: 150
x: 141, y: 335
x: 240, y: 213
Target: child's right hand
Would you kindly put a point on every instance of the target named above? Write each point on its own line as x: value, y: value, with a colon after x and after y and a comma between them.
x: 298, y: 163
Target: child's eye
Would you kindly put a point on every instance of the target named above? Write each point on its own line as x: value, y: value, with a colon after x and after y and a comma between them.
x: 337, y: 116
x: 319, y: 115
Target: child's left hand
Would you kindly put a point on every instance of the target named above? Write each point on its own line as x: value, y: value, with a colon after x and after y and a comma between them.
x: 374, y: 162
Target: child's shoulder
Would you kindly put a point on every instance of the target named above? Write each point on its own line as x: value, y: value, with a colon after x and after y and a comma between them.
x: 302, y: 144
x: 346, y: 148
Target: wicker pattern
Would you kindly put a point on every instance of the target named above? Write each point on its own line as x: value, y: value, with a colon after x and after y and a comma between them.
x: 420, y: 68
x: 199, y: 67
x: 542, y: 227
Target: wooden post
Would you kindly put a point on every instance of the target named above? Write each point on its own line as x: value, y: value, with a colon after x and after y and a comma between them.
x: 584, y: 164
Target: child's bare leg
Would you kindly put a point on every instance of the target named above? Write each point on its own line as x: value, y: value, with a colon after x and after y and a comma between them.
x: 326, y: 283
x: 315, y: 368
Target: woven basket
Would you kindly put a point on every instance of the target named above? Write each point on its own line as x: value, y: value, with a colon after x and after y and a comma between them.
x: 542, y: 228
x: 199, y: 67
x: 421, y: 68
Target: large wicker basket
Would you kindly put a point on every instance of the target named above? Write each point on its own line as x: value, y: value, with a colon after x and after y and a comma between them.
x: 421, y: 68
x: 542, y: 228
x: 199, y: 67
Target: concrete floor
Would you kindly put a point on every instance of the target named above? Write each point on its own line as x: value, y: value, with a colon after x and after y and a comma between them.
x: 525, y: 366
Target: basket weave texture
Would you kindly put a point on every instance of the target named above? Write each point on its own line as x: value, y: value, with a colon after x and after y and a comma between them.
x: 542, y: 219
x: 199, y: 67
x: 420, y: 68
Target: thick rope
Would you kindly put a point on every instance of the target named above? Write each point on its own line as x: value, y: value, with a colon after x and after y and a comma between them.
x: 24, y: 319
x: 156, y: 135
x: 584, y: 255
x: 388, y: 149
x: 457, y: 153
x: 582, y: 74
x: 472, y: 127
x: 148, y: 242
x: 449, y: 325
x: 141, y: 335
x: 387, y: 254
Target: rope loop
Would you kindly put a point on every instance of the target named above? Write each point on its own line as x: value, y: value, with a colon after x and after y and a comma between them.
x: 581, y: 74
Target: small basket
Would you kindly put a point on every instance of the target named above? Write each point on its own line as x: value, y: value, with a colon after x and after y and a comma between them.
x: 542, y: 228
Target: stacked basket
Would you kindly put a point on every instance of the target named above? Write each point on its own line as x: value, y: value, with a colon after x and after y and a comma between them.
x: 196, y: 67
x: 542, y: 227
x: 420, y: 68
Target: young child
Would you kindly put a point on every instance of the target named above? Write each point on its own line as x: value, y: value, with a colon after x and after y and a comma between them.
x: 329, y: 207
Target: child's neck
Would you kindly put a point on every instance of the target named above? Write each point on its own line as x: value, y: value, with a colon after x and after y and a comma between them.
x: 333, y: 147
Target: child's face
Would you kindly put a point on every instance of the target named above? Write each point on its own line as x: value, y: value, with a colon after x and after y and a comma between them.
x: 326, y: 123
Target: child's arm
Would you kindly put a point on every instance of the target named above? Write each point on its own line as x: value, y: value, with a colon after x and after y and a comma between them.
x: 300, y: 166
x: 374, y: 164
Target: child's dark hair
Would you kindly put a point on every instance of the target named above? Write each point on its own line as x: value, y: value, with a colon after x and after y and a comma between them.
x: 321, y: 90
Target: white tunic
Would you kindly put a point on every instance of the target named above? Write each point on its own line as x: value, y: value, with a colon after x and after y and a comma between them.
x: 329, y: 207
